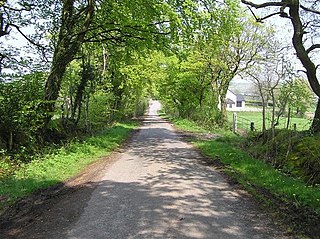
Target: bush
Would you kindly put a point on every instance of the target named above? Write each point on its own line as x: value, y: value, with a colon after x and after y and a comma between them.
x: 295, y: 153
x: 304, y: 160
x: 20, y: 119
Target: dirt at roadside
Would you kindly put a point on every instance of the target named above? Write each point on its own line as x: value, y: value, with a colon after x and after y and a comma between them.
x: 18, y: 221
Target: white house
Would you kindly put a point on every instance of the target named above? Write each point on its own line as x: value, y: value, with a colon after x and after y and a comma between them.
x: 235, y: 101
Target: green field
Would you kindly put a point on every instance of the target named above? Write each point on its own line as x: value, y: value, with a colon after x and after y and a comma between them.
x: 245, y: 118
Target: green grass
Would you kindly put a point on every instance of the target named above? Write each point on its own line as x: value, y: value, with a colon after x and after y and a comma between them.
x: 63, y: 163
x: 249, y: 171
x: 255, y: 172
x: 244, y: 119
x: 191, y: 126
x: 187, y: 125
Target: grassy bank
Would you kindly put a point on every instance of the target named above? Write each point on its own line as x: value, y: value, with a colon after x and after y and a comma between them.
x: 253, y: 173
x: 296, y: 203
x: 62, y: 163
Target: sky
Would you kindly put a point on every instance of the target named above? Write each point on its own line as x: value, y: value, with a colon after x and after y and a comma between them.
x: 283, y: 33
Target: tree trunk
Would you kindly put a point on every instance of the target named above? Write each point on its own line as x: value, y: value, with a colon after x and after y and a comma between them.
x: 263, y: 101
x: 315, y: 127
x: 85, y: 76
x: 10, y: 143
x: 288, y: 119
x: 69, y: 41
x: 105, y: 60
x: 263, y: 115
x: 273, y: 122
x: 223, y: 110
x: 303, y: 56
x: 86, y: 113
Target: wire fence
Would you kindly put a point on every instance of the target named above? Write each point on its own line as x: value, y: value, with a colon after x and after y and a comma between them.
x: 242, y: 124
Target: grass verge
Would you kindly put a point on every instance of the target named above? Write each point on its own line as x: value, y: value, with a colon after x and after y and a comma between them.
x: 61, y: 164
x: 194, y: 127
x: 250, y: 171
x: 262, y: 180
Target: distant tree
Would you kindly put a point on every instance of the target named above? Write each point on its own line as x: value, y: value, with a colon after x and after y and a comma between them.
x: 305, y: 18
x: 239, y: 55
x: 266, y: 76
x: 294, y: 94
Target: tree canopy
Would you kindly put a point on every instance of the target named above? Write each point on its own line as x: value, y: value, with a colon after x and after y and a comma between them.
x: 92, y: 62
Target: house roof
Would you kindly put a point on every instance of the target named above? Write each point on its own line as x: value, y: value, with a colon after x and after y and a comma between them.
x: 229, y: 101
x: 240, y: 97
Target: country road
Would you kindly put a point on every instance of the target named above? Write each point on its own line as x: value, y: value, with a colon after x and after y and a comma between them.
x: 156, y: 188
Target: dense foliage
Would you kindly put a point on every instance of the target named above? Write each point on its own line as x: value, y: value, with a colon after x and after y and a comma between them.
x: 101, y: 60
x: 88, y: 64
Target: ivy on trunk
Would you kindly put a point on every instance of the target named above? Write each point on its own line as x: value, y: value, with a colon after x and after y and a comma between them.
x: 74, y: 25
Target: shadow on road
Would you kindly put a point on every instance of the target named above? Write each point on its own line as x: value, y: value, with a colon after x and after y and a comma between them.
x: 170, y: 196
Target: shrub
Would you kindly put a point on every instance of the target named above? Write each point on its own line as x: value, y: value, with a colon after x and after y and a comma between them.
x: 295, y: 153
x: 20, y: 118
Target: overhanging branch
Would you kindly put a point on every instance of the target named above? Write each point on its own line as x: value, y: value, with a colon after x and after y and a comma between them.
x: 26, y: 37
x: 262, y: 5
x: 281, y: 13
x: 313, y: 47
x: 41, y: 48
x: 310, y: 10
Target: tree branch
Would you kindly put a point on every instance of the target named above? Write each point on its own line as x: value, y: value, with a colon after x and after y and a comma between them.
x: 27, y: 7
x: 313, y: 47
x: 4, y: 30
x: 262, y: 5
x: 281, y: 13
x: 310, y: 10
x: 302, y: 71
x: 270, y: 15
x: 41, y: 48
x: 26, y: 37
x: 254, y: 15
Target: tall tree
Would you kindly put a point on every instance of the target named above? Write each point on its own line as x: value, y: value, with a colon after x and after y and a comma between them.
x: 305, y: 18
x: 151, y: 24
x: 75, y: 22
x: 295, y: 93
x: 239, y: 55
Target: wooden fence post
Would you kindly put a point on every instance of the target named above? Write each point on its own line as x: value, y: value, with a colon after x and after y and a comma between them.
x: 234, y: 122
x: 252, y: 128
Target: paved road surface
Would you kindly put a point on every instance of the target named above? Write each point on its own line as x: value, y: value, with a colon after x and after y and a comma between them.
x: 158, y: 189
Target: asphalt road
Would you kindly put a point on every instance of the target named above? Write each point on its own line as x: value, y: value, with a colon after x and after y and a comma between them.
x: 156, y: 188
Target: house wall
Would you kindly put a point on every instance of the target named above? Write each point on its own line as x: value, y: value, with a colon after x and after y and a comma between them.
x: 232, y: 97
x: 233, y: 107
